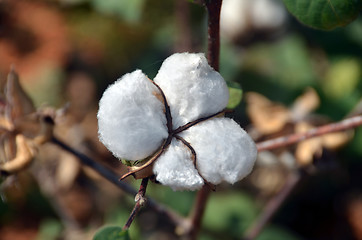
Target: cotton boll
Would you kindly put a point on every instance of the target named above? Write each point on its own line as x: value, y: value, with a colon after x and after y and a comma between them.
x: 224, y: 151
x: 192, y: 88
x: 175, y: 168
x: 268, y: 14
x: 234, y: 18
x: 131, y: 121
x: 243, y: 21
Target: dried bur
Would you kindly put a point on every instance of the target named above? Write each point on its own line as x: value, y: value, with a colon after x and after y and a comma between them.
x: 271, y: 119
x: 22, y: 129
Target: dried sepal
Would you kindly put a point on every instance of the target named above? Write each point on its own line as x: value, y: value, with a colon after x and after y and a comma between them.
x: 308, y: 149
x: 268, y: 117
x: 18, y: 102
x: 24, y: 156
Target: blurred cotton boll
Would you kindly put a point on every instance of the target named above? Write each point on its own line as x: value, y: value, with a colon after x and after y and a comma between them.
x: 242, y: 20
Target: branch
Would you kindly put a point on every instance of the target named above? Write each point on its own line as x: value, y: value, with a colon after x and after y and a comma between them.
x: 272, y: 207
x: 114, y: 178
x: 198, y: 212
x: 102, y: 170
x: 283, y: 141
x: 274, y: 204
x: 140, y: 202
x: 213, y: 9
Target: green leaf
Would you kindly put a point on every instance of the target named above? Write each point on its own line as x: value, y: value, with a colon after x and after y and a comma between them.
x: 229, y: 213
x: 324, y: 14
x: 49, y: 229
x: 342, y: 78
x: 112, y: 233
x: 236, y: 94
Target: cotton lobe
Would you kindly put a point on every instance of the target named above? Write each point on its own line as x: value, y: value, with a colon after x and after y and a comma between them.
x: 175, y: 168
x: 192, y: 87
x: 133, y: 124
x: 130, y: 118
x: 225, y: 152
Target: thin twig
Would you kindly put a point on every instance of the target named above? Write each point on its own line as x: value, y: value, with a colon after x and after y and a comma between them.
x: 114, y: 178
x: 213, y: 9
x: 140, y: 202
x: 283, y: 141
x: 102, y: 170
x: 272, y: 207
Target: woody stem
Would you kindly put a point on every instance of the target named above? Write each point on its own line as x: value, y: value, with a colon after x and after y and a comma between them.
x: 140, y: 202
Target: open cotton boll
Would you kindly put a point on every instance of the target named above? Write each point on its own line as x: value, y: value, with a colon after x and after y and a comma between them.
x: 224, y: 151
x: 131, y: 121
x: 175, y: 168
x: 192, y: 88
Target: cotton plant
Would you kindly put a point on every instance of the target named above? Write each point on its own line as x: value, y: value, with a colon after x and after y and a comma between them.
x: 173, y: 127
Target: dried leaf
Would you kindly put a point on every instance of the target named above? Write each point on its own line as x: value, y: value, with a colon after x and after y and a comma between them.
x: 24, y: 156
x: 305, y: 104
x: 5, y: 125
x: 268, y: 117
x: 67, y: 171
x: 18, y: 102
x: 307, y: 149
x: 337, y: 140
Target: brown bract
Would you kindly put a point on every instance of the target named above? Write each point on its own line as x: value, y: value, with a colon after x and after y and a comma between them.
x: 271, y: 119
x: 22, y: 129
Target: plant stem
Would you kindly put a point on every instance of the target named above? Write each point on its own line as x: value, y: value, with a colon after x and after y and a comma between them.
x: 213, y: 8
x: 198, y: 211
x: 102, y: 170
x: 272, y: 207
x: 140, y: 202
x: 114, y: 178
x: 283, y: 141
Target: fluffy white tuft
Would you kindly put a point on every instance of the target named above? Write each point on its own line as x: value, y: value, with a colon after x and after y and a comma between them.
x: 175, y: 168
x: 131, y: 121
x: 192, y: 88
x: 224, y: 151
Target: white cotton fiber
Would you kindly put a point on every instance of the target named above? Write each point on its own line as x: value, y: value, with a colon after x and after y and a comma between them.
x: 175, y: 168
x: 131, y: 121
x: 225, y: 152
x: 192, y: 88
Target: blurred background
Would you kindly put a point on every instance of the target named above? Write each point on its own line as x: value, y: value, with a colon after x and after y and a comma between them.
x: 283, y: 78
